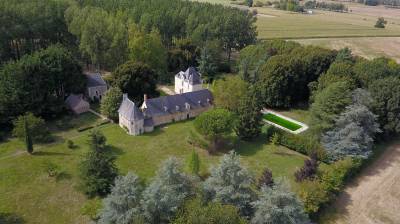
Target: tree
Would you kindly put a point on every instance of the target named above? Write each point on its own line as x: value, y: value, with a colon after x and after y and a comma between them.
x: 194, y: 163
x: 386, y: 95
x: 328, y: 104
x: 110, y: 103
x: 214, y: 125
x: 368, y: 71
x: 38, y: 83
x: 207, y: 63
x: 148, y: 48
x: 309, y: 169
x: 36, y: 126
x: 136, y: 79
x: 195, y: 212
x: 28, y: 139
x: 380, y: 23
x: 97, y: 170
x: 249, y: 122
x: 122, y: 205
x: 344, y: 55
x: 230, y: 183
x: 249, y: 3
x: 353, y: 134
x: 228, y: 92
x: 166, y: 192
x: 266, y: 179
x: 278, y: 205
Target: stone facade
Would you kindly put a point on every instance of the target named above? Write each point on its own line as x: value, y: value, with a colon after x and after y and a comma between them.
x: 162, y: 110
x: 96, y: 87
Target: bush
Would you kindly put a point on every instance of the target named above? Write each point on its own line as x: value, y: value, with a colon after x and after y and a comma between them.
x: 70, y: 144
x: 258, y: 4
x: 303, y: 144
x: 51, y: 168
x: 92, y: 208
x: 313, y: 194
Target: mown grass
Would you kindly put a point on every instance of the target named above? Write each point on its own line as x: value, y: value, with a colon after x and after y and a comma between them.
x: 27, y: 193
x: 281, y: 121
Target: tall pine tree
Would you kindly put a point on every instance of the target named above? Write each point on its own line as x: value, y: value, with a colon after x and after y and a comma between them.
x: 249, y: 122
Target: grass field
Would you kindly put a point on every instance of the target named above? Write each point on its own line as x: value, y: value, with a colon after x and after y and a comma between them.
x: 27, y: 193
x: 281, y: 121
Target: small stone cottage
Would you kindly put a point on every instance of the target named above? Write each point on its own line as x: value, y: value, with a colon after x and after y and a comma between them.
x: 188, y: 81
x: 96, y: 86
x: 162, y: 110
x: 77, y: 104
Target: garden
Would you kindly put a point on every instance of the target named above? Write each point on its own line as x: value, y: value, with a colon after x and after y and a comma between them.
x: 282, y: 122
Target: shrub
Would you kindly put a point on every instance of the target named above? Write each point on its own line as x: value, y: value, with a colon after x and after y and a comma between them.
x: 70, y: 144
x: 92, y: 208
x: 303, y: 144
x: 337, y: 173
x: 266, y: 179
x: 308, y: 171
x: 313, y: 194
x: 258, y: 4
x: 51, y: 168
x: 275, y: 138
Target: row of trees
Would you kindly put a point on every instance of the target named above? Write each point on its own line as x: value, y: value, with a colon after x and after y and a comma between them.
x: 166, y: 35
x: 331, y: 6
x: 29, y: 25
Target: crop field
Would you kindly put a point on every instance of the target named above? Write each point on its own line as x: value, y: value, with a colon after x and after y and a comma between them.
x: 281, y: 121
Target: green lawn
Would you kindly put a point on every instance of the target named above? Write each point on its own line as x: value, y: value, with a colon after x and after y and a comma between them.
x: 27, y: 193
x: 281, y: 121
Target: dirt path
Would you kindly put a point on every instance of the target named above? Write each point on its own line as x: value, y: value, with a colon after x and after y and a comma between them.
x: 374, y: 198
x: 166, y: 90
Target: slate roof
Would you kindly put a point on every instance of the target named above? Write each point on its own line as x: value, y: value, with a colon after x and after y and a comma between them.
x: 94, y: 80
x: 177, y: 103
x: 148, y: 122
x: 74, y: 100
x: 129, y: 110
x: 191, y: 75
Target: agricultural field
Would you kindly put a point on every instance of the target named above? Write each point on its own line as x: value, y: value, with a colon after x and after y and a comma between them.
x: 334, y: 30
x: 28, y: 194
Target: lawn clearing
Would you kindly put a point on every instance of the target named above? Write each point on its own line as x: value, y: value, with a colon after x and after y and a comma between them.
x: 26, y: 191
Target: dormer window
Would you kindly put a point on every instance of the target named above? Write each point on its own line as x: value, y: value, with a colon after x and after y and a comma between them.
x: 165, y: 108
x: 208, y: 100
x: 199, y: 102
x: 176, y: 107
x: 187, y: 106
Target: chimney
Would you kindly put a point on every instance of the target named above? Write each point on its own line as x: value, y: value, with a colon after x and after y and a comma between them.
x: 124, y: 96
x: 144, y: 97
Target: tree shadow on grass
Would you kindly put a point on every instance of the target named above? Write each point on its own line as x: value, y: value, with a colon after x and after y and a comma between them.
x: 10, y: 218
x: 114, y: 150
x: 249, y: 148
x: 43, y: 153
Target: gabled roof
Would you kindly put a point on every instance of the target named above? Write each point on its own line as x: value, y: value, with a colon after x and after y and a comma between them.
x: 75, y: 100
x: 129, y: 110
x: 176, y: 103
x: 191, y: 75
x: 95, y: 79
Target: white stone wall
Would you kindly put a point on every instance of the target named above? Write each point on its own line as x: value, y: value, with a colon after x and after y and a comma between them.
x: 182, y: 86
x: 134, y: 127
